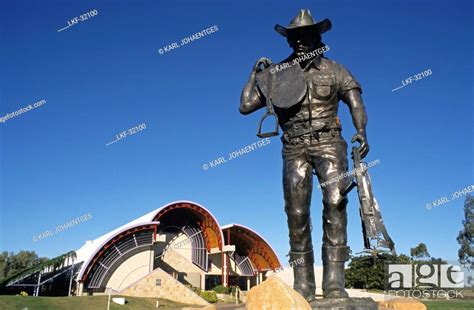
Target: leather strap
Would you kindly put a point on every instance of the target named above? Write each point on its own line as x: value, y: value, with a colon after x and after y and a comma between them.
x: 270, y: 112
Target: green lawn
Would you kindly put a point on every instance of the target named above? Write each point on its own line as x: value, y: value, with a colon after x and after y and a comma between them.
x: 81, y: 303
x: 100, y: 302
x: 464, y: 304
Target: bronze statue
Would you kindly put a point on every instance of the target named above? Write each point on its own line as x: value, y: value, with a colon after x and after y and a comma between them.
x: 303, y: 92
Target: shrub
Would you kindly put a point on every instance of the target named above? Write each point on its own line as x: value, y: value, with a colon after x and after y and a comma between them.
x: 196, y: 290
x: 220, y: 289
x: 233, y: 289
x: 209, y: 296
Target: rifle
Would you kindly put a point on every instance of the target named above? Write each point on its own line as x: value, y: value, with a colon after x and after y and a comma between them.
x: 373, y: 228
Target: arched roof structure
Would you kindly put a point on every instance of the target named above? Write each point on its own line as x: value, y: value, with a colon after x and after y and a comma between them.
x: 130, y: 239
x: 102, y: 256
x: 182, y: 213
x: 252, y: 245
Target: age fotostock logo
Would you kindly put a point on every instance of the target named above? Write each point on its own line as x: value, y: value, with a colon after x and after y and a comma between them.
x: 425, y: 275
x: 425, y: 280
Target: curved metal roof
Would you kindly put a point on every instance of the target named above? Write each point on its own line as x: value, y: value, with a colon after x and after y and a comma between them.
x: 253, y: 245
x: 111, y: 240
x: 209, y: 225
x: 250, y: 243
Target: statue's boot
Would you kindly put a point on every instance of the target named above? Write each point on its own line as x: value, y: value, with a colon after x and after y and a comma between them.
x: 333, y: 271
x: 303, y: 271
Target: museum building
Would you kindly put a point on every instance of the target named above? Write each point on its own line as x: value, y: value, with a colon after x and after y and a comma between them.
x: 180, y: 244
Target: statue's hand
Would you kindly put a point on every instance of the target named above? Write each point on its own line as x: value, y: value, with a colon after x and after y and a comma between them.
x: 266, y: 63
x: 361, y: 137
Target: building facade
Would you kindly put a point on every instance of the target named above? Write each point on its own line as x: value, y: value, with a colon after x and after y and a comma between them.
x: 184, y: 240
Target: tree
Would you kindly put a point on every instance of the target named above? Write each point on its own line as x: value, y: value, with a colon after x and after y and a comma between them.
x: 368, y: 272
x: 15, y: 267
x: 12, y: 264
x: 420, y: 251
x: 466, y: 250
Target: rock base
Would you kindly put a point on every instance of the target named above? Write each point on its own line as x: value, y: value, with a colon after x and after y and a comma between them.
x: 273, y: 294
x: 403, y: 304
x: 344, y: 304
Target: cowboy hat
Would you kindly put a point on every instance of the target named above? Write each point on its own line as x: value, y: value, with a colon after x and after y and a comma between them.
x: 304, y: 20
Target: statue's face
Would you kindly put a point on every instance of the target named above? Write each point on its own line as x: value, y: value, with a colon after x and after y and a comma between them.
x: 302, y: 42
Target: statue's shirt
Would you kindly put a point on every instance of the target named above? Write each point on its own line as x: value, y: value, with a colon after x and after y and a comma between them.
x: 327, y: 83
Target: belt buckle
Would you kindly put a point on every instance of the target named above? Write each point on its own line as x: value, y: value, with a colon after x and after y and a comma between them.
x: 287, y: 139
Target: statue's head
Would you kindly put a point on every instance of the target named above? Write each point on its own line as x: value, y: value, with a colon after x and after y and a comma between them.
x: 304, y: 34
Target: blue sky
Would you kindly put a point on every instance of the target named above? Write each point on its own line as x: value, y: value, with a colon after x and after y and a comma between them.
x: 105, y: 75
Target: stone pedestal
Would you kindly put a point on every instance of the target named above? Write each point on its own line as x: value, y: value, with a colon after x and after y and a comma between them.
x: 403, y: 304
x: 344, y: 304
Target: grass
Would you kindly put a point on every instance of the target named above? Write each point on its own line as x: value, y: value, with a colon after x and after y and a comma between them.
x: 455, y: 304
x: 81, y: 303
x: 100, y: 302
x: 464, y: 304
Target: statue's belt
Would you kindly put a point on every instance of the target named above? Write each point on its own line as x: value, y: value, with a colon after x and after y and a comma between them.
x: 318, y: 125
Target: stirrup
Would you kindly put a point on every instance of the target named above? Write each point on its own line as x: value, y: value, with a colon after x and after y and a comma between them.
x: 271, y: 133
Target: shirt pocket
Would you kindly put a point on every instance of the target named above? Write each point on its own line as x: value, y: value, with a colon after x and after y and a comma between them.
x: 323, y: 89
